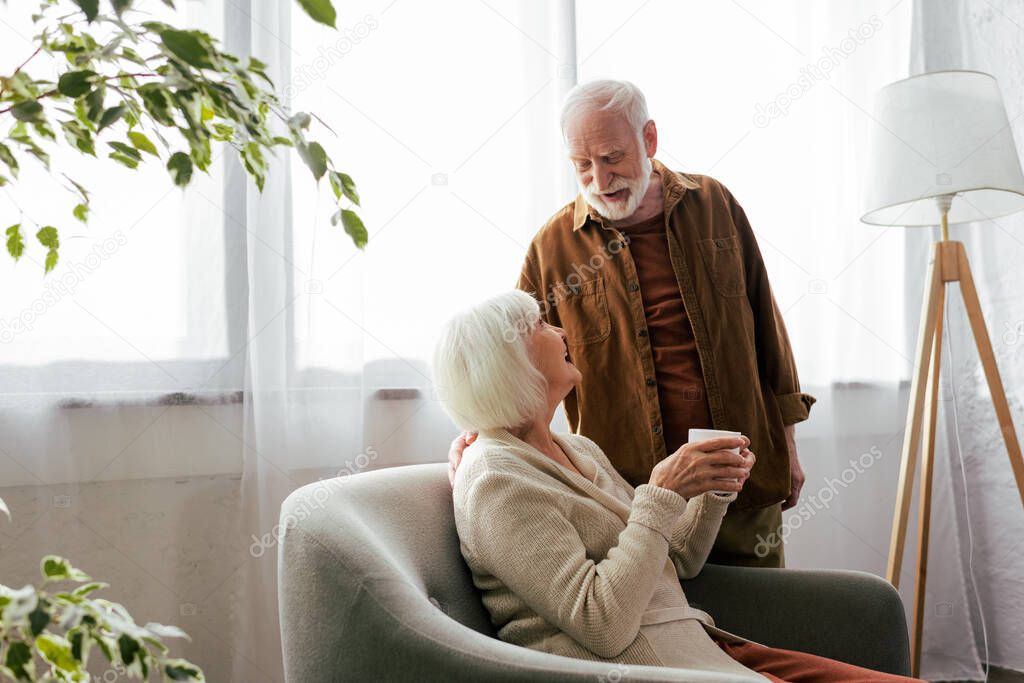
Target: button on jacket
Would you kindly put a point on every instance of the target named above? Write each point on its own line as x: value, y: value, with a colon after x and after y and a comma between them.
x: 581, y: 564
x: 581, y: 271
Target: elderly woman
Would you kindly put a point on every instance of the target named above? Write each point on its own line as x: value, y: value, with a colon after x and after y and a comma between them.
x: 570, y: 558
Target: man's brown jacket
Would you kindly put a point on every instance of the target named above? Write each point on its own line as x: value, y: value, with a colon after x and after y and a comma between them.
x: 580, y: 269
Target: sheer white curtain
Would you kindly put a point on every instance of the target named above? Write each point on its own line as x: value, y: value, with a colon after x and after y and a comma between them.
x: 985, y: 36
x: 450, y: 136
x: 119, y: 376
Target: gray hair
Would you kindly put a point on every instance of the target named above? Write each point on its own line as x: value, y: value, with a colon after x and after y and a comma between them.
x: 482, y: 370
x: 606, y: 95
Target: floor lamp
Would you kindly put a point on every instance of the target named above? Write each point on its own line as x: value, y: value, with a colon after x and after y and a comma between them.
x: 942, y: 153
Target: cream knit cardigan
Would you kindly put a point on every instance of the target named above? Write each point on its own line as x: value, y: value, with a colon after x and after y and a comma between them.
x: 588, y: 567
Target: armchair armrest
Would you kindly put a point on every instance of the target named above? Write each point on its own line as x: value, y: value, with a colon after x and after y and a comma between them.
x: 851, y: 616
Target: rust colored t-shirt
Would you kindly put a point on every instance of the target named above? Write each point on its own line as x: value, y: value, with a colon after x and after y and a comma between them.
x: 681, y: 392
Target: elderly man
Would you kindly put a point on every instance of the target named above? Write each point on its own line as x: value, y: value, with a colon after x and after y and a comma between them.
x: 658, y: 281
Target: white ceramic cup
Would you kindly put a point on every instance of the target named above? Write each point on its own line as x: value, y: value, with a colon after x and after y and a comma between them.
x: 705, y: 434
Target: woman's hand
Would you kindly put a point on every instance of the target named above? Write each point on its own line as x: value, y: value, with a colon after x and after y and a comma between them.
x: 705, y: 466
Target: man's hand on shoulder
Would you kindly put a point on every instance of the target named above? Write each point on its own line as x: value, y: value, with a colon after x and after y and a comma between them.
x: 455, y: 453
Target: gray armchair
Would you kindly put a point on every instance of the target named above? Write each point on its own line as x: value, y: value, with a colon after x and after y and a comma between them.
x: 372, y: 586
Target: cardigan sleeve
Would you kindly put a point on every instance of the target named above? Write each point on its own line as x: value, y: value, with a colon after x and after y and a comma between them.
x: 519, y: 534
x: 693, y: 533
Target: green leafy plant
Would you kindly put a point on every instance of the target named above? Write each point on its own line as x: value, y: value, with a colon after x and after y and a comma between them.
x: 49, y: 636
x: 145, y: 91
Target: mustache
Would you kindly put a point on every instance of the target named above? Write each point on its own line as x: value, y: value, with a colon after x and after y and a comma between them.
x: 619, y: 183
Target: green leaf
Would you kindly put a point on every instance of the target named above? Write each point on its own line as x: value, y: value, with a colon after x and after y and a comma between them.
x: 90, y: 7
x: 67, y: 597
x: 120, y: 6
x: 15, y: 247
x: 342, y: 184
x: 111, y: 115
x: 252, y: 160
x: 39, y: 153
x: 354, y: 227
x: 223, y: 132
x: 132, y: 56
x: 81, y: 190
x: 321, y: 11
x: 53, y: 567
x: 75, y: 83
x: 187, y: 46
x: 23, y: 84
x: 94, y: 104
x: 300, y: 120
x: 78, y: 639
x: 78, y: 136
x: 181, y: 670
x: 7, y: 157
x: 57, y: 651
x: 56, y: 568
x: 29, y: 110
x: 51, y: 261
x: 81, y: 212
x: 19, y: 661
x: 143, y: 143
x: 38, y: 619
x: 157, y: 100
x: 85, y: 589
x: 126, y: 150
x: 315, y: 157
x: 105, y: 647
x: 180, y: 166
x: 43, y: 129
x: 129, y: 648
x: 124, y: 160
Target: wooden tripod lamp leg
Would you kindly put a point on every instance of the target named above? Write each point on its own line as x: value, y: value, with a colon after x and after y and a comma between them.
x: 911, y: 437
x: 925, y: 496
x: 988, y: 362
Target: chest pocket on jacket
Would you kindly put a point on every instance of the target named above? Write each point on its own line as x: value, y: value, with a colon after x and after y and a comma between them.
x: 583, y: 311
x: 724, y: 262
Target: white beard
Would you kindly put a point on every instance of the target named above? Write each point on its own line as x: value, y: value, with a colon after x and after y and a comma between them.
x: 637, y: 189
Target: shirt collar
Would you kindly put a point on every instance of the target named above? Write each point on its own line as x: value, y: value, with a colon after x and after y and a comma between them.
x: 673, y: 185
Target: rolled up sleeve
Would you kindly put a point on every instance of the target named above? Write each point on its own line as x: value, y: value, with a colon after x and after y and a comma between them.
x: 774, y: 353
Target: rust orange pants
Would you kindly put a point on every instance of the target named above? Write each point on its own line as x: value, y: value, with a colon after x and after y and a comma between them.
x: 790, y: 666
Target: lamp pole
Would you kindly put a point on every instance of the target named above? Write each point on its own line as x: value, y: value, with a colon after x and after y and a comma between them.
x: 948, y: 263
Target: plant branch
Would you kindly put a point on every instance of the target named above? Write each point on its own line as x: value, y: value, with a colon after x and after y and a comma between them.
x: 50, y: 93
x: 22, y: 65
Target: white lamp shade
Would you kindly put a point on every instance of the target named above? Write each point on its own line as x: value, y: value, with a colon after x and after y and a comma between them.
x: 941, y: 133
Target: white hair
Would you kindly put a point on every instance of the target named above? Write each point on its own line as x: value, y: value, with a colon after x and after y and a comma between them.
x: 482, y: 370
x: 606, y: 95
